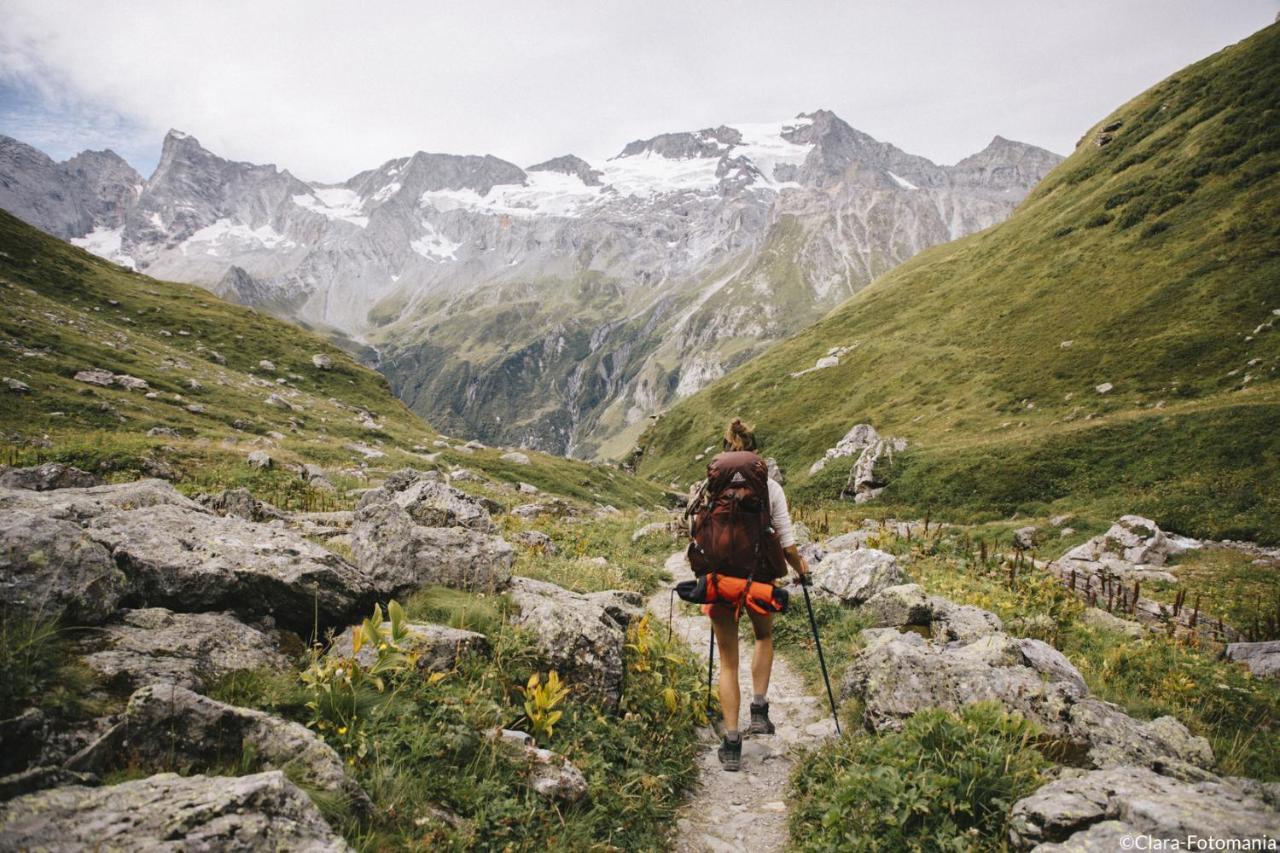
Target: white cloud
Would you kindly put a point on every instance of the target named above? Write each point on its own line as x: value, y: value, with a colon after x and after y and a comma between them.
x: 327, y: 88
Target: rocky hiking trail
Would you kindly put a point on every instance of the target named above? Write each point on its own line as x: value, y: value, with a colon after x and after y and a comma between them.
x: 746, y: 810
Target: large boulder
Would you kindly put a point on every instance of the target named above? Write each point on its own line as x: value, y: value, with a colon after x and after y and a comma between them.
x: 898, y: 674
x: 438, y: 648
x: 870, y: 473
x: 852, y: 577
x: 78, y: 505
x: 1132, y: 549
x: 167, y: 727
x: 188, y: 649
x: 400, y: 556
x: 190, y: 560
x: 50, y: 475
x: 52, y: 567
x: 1091, y: 810
x: 168, y: 812
x: 898, y: 606
x: 581, y: 636
x: 429, y: 502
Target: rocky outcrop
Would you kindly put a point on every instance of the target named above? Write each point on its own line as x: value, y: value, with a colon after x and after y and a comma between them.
x: 399, y: 555
x: 50, y: 475
x: 1263, y: 659
x: 430, y: 502
x: 852, y: 577
x: 187, y: 649
x: 870, y: 473
x: 264, y: 811
x: 858, y: 438
x: 1134, y: 548
x: 581, y: 636
x: 174, y: 553
x: 52, y: 567
x: 1096, y: 810
x: 166, y: 727
x: 242, y: 504
x: 898, y: 674
x: 436, y: 648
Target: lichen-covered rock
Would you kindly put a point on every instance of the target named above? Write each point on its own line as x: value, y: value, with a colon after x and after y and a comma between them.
x: 193, y: 561
x: 1134, y: 548
x: 242, y: 504
x: 577, y: 634
x: 554, y: 777
x: 50, y: 475
x: 52, y: 567
x: 1097, y: 618
x: 81, y: 504
x: 438, y: 647
x: 399, y: 555
x: 537, y: 541
x: 898, y: 606
x: 430, y: 502
x: 259, y: 459
x: 1091, y: 810
x: 852, y: 577
x: 168, y: 812
x: 898, y: 674
x: 167, y: 727
x: 515, y: 457
x: 188, y: 649
x: 961, y: 623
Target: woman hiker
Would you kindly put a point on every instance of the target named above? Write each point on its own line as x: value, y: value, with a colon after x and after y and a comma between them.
x: 742, y: 529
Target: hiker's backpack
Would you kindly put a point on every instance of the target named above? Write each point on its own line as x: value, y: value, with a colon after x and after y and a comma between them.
x: 730, y: 521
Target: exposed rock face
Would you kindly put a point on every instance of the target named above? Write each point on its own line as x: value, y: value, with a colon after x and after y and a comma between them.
x: 50, y: 475
x: 855, y: 576
x: 858, y: 438
x: 668, y: 223
x: 53, y: 567
x: 898, y: 606
x: 870, y: 473
x: 168, y: 812
x: 581, y: 636
x: 170, y: 727
x: 1134, y: 548
x: 92, y: 190
x: 897, y: 674
x: 438, y: 647
x: 430, y: 502
x: 187, y: 649
x: 1092, y: 810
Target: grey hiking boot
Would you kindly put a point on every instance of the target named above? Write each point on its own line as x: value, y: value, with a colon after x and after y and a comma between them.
x: 760, y: 724
x: 730, y: 754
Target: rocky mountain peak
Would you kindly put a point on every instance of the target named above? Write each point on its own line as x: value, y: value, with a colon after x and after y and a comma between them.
x: 708, y: 142
x: 428, y: 172
x: 571, y: 164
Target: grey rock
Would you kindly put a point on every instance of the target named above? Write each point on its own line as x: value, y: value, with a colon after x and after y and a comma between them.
x: 961, y: 623
x: 554, y: 777
x: 39, y: 779
x: 537, y: 541
x: 438, y: 648
x: 166, y: 812
x: 322, y: 361
x: 50, y: 475
x: 898, y: 606
x: 54, y: 568
x: 169, y: 727
x: 870, y: 473
x: 242, y: 504
x: 183, y: 557
x: 657, y: 528
x: 775, y: 473
x: 1024, y: 538
x: 188, y: 649
x: 1097, y: 618
x: 1090, y: 810
x: 429, y: 502
x: 576, y: 634
x: 399, y: 555
x: 515, y: 456
x: 80, y: 504
x: 16, y: 386
x: 900, y: 673
x: 259, y: 459
x: 163, y: 432
x: 95, y: 377
x: 133, y: 383
x: 1263, y: 659
x: 571, y: 165
x: 852, y: 577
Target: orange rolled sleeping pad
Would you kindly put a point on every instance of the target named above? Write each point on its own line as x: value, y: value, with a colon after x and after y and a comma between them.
x: 712, y: 589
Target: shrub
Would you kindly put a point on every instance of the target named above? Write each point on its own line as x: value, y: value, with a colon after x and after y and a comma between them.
x: 37, y: 667
x: 945, y: 782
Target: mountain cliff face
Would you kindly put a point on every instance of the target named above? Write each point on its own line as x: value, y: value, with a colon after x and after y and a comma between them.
x: 558, y: 306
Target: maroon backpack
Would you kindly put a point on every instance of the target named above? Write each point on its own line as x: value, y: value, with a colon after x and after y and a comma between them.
x: 730, y: 521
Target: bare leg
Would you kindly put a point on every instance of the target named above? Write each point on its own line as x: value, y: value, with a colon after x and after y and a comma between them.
x: 726, y: 628
x: 762, y: 659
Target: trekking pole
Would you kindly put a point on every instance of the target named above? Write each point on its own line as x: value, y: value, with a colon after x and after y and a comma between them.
x: 822, y: 661
x: 671, y: 612
x: 711, y: 657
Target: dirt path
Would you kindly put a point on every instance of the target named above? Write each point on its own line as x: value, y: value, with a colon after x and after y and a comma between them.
x: 745, y: 810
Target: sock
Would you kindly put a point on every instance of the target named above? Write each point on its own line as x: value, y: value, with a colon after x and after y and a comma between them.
x: 758, y: 699
x: 732, y: 735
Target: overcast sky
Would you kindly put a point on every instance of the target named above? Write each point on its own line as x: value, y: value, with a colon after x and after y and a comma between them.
x: 327, y: 89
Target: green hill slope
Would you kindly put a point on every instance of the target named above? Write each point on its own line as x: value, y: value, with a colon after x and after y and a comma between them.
x: 66, y: 311
x: 1149, y: 259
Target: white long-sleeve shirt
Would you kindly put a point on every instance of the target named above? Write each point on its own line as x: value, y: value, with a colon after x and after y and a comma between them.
x: 780, y: 515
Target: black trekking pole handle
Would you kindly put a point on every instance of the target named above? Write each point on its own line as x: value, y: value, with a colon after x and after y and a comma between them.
x: 822, y: 661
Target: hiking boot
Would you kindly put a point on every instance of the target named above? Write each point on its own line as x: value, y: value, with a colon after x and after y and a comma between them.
x: 760, y: 724
x: 730, y: 754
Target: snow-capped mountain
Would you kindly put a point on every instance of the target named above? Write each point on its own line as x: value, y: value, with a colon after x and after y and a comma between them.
x: 555, y: 306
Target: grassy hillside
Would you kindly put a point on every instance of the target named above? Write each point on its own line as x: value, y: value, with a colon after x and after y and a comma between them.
x: 1149, y: 260
x: 66, y: 311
